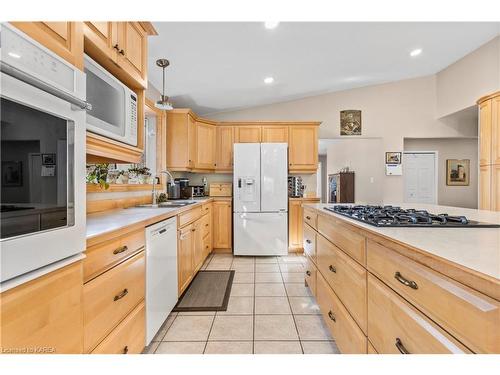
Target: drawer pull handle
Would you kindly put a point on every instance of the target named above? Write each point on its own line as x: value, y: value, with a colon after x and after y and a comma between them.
x: 402, y: 280
x: 308, y: 273
x: 308, y: 241
x: 331, y: 316
x: 120, y: 250
x: 121, y: 295
x: 206, y: 225
x: 400, y: 346
x: 332, y: 268
x: 308, y: 217
x: 125, y: 349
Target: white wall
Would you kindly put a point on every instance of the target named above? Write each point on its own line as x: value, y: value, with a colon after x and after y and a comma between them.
x: 391, y: 112
x: 366, y: 158
x: 458, y: 196
x: 461, y: 84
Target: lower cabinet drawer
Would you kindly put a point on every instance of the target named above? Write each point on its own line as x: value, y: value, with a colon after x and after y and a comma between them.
x: 205, y: 224
x: 349, y: 338
x: 309, y: 242
x: 206, y: 209
x: 346, y: 277
x: 128, y: 337
x: 470, y: 316
x: 189, y: 216
x: 310, y: 276
x: 103, y: 256
x: 110, y: 297
x: 394, y: 326
x: 311, y: 217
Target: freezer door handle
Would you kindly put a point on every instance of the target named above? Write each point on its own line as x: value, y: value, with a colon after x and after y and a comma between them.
x: 239, y: 183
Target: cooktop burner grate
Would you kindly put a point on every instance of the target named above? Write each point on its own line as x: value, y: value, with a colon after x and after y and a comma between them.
x: 394, y: 216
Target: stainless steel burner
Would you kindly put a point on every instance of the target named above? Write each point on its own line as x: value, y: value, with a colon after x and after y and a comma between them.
x: 393, y: 216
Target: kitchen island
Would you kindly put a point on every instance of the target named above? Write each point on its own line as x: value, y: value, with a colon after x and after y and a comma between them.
x: 394, y: 289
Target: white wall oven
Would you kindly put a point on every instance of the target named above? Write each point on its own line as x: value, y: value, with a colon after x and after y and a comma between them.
x: 42, y: 115
x: 114, y: 105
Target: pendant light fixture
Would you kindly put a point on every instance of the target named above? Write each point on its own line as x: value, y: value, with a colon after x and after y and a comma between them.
x: 163, y: 103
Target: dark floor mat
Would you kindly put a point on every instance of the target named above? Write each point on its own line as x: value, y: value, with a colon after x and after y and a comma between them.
x: 209, y: 291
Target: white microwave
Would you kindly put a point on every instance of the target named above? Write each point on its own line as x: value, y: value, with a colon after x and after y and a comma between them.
x: 114, y: 105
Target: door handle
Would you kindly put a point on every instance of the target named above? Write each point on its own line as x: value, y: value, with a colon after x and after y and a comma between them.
x: 400, y: 346
x: 332, y: 316
x: 332, y: 268
x: 120, y: 250
x: 409, y: 283
x: 239, y: 183
x: 121, y: 295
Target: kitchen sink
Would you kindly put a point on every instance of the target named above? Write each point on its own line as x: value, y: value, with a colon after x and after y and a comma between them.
x: 173, y: 204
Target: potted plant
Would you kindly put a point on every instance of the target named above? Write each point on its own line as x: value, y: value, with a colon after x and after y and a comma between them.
x: 98, y: 174
x: 139, y: 174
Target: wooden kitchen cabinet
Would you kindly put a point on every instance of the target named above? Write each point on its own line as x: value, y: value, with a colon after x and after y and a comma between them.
x: 222, y: 223
x: 44, y: 315
x: 63, y: 38
x: 185, y: 256
x: 181, y: 140
x: 104, y: 35
x: 132, y: 50
x: 205, y: 146
x: 295, y: 226
x: 247, y: 134
x: 224, y: 149
x: 489, y: 152
x: 303, y: 149
x: 275, y: 134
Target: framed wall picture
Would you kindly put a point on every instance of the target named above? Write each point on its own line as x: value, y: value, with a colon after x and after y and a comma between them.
x: 393, y: 158
x: 48, y: 159
x: 350, y: 122
x: 457, y: 172
x: 12, y: 173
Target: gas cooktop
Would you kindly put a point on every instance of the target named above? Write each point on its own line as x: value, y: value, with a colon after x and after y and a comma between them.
x: 393, y: 216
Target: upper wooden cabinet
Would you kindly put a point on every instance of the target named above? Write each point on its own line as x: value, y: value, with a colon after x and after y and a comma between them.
x: 181, y: 140
x: 205, y: 145
x: 210, y: 144
x: 63, y: 38
x: 224, y: 149
x: 303, y: 148
x: 275, y: 134
x: 121, y: 47
x: 247, y: 134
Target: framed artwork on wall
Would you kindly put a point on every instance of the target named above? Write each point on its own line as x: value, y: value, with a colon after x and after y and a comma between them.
x: 393, y: 158
x: 350, y: 122
x: 457, y: 172
x: 12, y: 173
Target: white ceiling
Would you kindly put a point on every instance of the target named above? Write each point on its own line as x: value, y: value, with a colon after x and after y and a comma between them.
x: 221, y: 66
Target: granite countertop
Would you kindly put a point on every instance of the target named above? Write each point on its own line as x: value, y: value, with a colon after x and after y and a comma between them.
x: 100, y: 223
x: 475, y: 248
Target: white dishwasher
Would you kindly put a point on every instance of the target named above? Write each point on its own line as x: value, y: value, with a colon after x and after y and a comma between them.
x: 161, y: 274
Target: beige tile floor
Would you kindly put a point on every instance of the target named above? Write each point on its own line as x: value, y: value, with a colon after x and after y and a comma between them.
x: 270, y: 311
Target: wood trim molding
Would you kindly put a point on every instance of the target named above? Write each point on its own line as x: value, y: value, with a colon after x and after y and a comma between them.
x: 104, y: 150
x: 112, y: 204
x: 148, y: 28
x: 487, y: 97
x: 95, y: 188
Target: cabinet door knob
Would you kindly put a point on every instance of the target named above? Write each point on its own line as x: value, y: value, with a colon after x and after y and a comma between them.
x: 308, y: 273
x: 121, y: 295
x: 332, y: 316
x: 332, y: 268
x: 125, y: 349
x: 308, y: 217
x: 116, y: 47
x: 121, y: 52
x: 308, y: 241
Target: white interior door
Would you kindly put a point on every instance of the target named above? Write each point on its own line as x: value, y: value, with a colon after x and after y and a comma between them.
x: 419, y: 173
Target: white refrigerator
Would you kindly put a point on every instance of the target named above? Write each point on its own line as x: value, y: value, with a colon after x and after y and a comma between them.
x: 260, y: 191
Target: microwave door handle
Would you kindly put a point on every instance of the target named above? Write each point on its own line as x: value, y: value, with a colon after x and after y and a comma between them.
x: 39, y: 84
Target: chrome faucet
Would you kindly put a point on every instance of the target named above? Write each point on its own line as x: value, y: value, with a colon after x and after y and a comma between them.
x: 154, y: 203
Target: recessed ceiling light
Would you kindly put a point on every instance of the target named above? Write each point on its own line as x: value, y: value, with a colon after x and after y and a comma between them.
x: 271, y: 24
x: 416, y: 52
x: 268, y: 80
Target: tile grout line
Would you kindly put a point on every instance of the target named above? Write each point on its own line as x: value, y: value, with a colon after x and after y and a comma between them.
x: 293, y: 315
